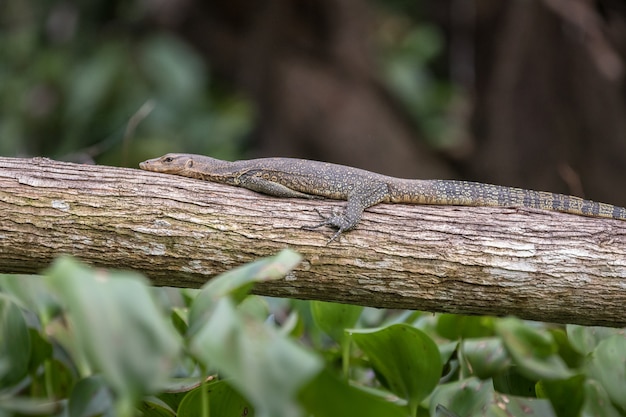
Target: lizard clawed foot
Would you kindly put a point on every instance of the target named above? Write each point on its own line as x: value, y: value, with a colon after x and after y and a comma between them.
x: 336, y: 220
x: 328, y: 220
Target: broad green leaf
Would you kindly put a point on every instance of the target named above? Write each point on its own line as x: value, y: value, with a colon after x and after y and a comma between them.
x: 41, y: 350
x: 63, y: 335
x: 472, y: 397
x: 55, y: 379
x: 571, y: 356
x: 15, y: 343
x: 534, y: 351
x: 221, y: 400
x: 454, y: 326
x: 292, y: 326
x: 255, y: 307
x: 607, y: 365
x: 26, y: 406
x: 484, y: 358
x: 467, y: 397
x: 266, y: 269
x: 441, y: 411
x: 406, y: 358
x: 154, y: 407
x: 32, y: 293
x: 584, y: 339
x: 237, y: 282
x: 597, y: 401
x: 328, y: 396
x: 90, y: 397
x: 446, y: 350
x: 565, y: 395
x: 118, y: 327
x: 334, y: 318
x: 260, y: 362
x: 507, y: 406
x: 177, y: 388
x: 512, y: 382
x: 179, y: 320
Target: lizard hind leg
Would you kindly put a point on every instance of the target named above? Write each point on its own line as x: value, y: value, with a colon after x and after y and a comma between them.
x: 358, y: 200
x: 335, y: 220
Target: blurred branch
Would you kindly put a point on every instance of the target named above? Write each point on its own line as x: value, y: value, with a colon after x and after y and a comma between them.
x: 143, y: 112
x: 181, y: 232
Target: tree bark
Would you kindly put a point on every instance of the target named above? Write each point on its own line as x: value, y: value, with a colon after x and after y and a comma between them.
x: 181, y: 232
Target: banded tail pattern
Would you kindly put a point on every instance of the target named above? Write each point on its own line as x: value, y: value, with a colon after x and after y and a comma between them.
x: 465, y: 193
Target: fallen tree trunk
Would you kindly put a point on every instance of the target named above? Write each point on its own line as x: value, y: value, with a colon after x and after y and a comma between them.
x: 181, y: 232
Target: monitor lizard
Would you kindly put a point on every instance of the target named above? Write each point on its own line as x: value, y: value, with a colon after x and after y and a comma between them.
x: 301, y: 178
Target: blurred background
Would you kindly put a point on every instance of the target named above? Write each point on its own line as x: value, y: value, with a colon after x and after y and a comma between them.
x: 524, y: 93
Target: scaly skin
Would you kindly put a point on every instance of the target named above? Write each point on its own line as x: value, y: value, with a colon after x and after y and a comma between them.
x: 301, y: 178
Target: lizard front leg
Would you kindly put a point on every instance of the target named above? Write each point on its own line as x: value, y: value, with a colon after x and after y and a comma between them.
x: 264, y: 186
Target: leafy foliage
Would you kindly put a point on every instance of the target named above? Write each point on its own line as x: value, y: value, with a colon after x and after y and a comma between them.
x: 79, y: 341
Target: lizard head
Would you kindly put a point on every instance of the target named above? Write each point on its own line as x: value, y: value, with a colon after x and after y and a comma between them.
x: 193, y: 166
x: 171, y: 163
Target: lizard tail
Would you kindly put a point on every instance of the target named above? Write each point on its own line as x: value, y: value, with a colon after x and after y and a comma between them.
x: 465, y: 193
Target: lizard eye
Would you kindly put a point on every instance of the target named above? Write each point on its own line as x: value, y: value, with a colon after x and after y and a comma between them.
x: 168, y: 159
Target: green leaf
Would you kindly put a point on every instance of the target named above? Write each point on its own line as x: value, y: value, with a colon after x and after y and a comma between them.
x: 179, y: 319
x: 222, y: 400
x: 25, y: 406
x: 472, y: 397
x: 56, y: 380
x: 571, y: 356
x: 90, y: 397
x: 485, y: 357
x: 32, y: 293
x: 260, y: 362
x: 565, y: 395
x: 266, y: 269
x: 608, y: 366
x: 176, y: 390
x: 406, y: 357
x: 506, y: 406
x: 467, y: 397
x: 597, y: 401
x: 154, y: 407
x: 117, y: 326
x: 441, y: 411
x: 255, y: 307
x: 334, y: 318
x: 328, y: 396
x: 585, y: 339
x: 237, y: 282
x: 41, y: 350
x: 15, y: 345
x: 454, y: 326
x: 512, y: 382
x: 534, y: 351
